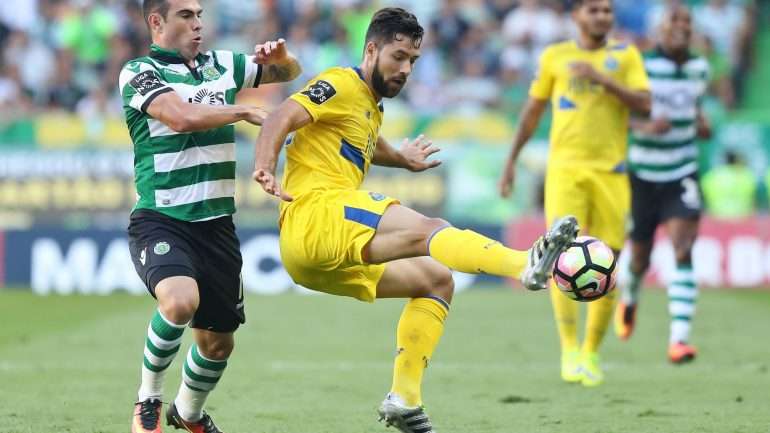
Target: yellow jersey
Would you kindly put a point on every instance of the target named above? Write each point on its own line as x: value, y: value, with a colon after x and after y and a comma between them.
x: 590, y: 125
x: 335, y: 150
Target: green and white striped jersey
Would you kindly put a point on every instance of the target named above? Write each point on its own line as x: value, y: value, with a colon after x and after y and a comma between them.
x: 677, y: 90
x: 187, y: 176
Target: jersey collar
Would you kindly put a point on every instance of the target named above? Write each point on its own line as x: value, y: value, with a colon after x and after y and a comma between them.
x: 173, y: 56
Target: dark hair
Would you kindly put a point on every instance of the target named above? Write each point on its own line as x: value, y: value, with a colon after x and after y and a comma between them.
x: 388, y: 23
x: 152, y: 6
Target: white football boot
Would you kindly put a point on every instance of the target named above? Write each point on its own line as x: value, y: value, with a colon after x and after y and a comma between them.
x: 545, y: 251
x: 407, y: 419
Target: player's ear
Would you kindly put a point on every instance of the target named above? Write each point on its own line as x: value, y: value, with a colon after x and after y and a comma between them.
x: 370, y: 49
x: 155, y: 22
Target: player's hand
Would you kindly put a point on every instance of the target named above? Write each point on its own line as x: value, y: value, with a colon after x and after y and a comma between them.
x: 505, y: 184
x: 271, y: 52
x: 266, y: 179
x: 416, y: 153
x: 658, y: 126
x: 586, y: 71
x: 703, y: 128
x: 256, y: 115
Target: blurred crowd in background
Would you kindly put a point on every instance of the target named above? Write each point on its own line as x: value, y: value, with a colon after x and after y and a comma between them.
x: 60, y: 60
x: 477, y: 54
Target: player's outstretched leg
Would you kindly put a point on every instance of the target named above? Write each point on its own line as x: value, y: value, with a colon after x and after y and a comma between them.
x: 402, y: 233
x: 468, y: 251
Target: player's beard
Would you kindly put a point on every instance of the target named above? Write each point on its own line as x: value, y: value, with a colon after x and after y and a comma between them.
x: 599, y: 36
x: 379, y: 83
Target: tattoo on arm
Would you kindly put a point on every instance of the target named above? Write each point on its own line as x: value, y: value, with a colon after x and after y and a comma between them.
x: 280, y: 73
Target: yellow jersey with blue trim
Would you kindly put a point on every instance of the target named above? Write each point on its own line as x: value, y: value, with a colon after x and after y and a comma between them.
x: 335, y: 150
x: 590, y: 125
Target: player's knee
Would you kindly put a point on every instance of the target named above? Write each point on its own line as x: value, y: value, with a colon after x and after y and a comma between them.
x: 683, y: 250
x: 428, y: 226
x: 178, y: 309
x: 639, y: 265
x: 217, y: 349
x: 443, y: 284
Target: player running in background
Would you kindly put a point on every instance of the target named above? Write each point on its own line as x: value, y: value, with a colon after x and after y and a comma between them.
x: 179, y: 110
x: 592, y: 83
x: 664, y: 177
x: 344, y: 241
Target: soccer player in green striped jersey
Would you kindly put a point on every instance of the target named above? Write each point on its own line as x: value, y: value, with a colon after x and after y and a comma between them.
x: 664, y: 177
x: 180, y: 108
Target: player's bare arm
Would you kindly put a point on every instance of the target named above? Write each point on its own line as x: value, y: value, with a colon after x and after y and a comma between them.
x: 412, y: 156
x: 289, y: 117
x: 183, y: 116
x: 655, y: 126
x: 703, y: 125
x: 637, y: 100
x: 530, y: 118
x: 279, y: 65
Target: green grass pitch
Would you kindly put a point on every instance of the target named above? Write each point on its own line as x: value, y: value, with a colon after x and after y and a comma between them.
x: 320, y: 364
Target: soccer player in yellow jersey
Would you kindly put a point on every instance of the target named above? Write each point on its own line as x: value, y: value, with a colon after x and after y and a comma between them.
x: 341, y: 240
x: 593, y: 83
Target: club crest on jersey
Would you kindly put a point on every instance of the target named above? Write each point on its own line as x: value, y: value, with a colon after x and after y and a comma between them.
x: 210, y: 72
x: 146, y: 82
x: 377, y: 196
x: 320, y: 92
x: 611, y: 64
x: 161, y: 248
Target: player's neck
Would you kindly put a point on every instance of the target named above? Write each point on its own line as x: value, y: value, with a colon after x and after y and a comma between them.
x: 366, y: 77
x: 173, y: 51
x: 590, y: 43
x: 677, y: 55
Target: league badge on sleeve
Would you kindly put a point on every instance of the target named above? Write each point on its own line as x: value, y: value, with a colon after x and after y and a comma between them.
x: 320, y: 92
x: 146, y: 82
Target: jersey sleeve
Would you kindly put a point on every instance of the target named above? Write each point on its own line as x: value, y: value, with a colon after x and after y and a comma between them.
x: 542, y: 84
x: 140, y: 84
x: 636, y: 75
x: 325, y: 97
x: 246, y: 72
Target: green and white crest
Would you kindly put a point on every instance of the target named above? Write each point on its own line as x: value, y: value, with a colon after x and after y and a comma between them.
x: 210, y: 72
x: 161, y: 248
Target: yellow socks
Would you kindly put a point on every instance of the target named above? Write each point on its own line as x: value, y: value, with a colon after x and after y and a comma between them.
x: 599, y: 316
x: 419, y: 330
x: 565, y: 311
x: 471, y: 252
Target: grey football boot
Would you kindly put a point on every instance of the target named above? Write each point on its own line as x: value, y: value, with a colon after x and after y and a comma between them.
x: 406, y: 419
x: 545, y: 251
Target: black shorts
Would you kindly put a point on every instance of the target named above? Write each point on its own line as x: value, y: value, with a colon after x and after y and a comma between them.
x: 207, y: 251
x: 653, y: 203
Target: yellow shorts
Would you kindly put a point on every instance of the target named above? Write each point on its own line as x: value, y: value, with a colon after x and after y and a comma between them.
x: 600, y: 200
x: 322, y: 237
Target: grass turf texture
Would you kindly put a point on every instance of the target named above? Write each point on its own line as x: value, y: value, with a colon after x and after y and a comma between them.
x: 316, y: 364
